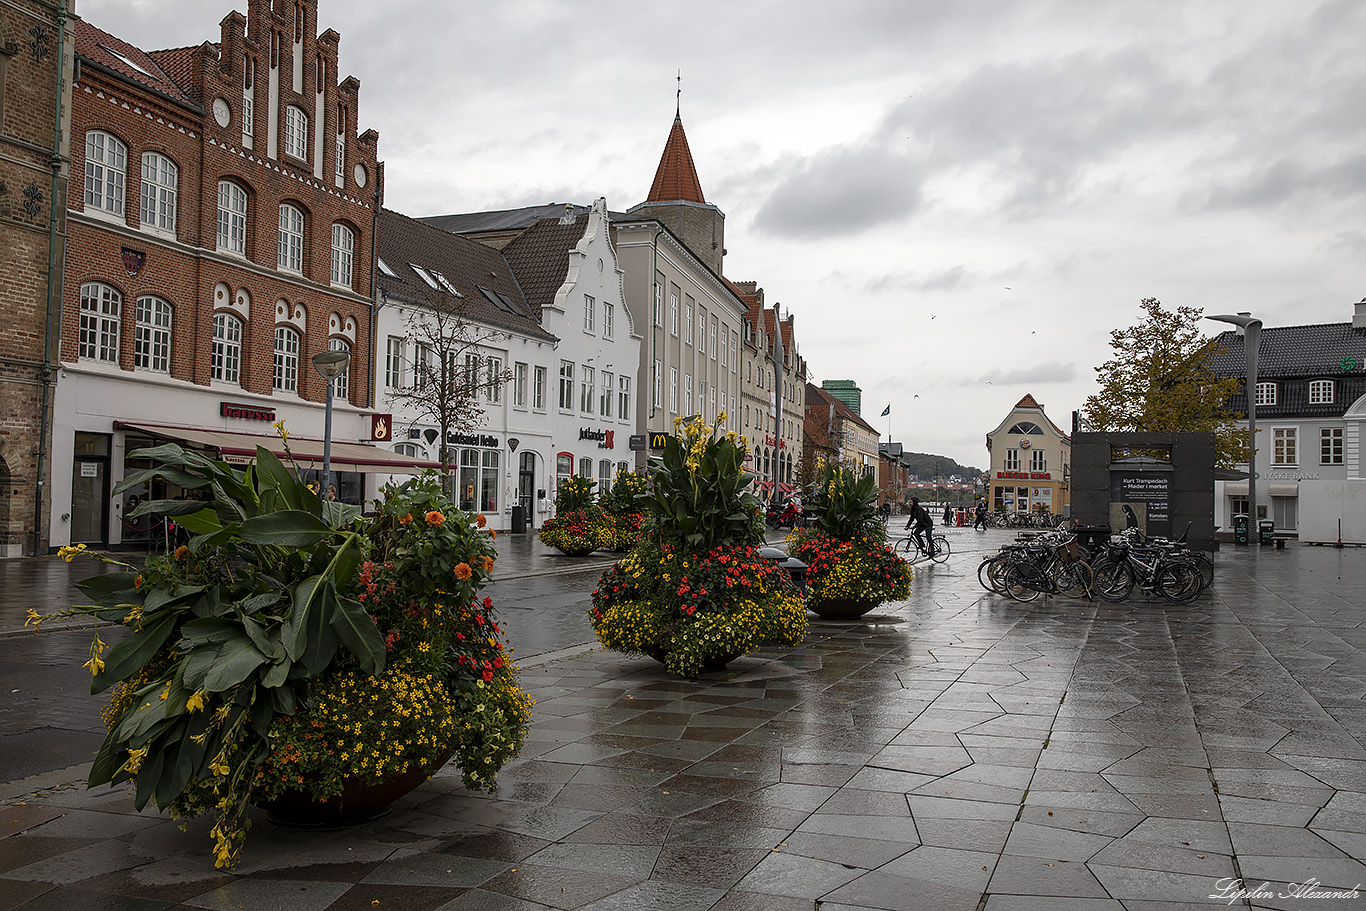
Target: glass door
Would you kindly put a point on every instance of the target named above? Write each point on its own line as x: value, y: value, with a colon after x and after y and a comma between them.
x: 90, y: 489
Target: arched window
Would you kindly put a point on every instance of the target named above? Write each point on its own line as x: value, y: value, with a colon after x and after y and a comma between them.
x: 1025, y: 428
x: 159, y: 179
x: 291, y: 238
x: 99, y: 332
x: 106, y: 159
x: 226, y: 364
x: 296, y: 132
x: 232, y: 218
x: 340, y: 385
x: 343, y: 245
x: 286, y: 359
x: 152, y: 339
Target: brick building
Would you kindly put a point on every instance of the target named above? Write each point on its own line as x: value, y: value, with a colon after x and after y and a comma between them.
x: 221, y: 235
x: 35, y: 80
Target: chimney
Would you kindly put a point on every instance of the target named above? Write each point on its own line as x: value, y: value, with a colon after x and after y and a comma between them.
x: 1359, y: 315
x: 1242, y: 330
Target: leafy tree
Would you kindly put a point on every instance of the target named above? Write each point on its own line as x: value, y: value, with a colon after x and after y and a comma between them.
x: 451, y: 378
x: 1159, y: 379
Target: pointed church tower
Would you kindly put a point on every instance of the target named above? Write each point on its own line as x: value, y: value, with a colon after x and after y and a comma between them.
x: 676, y: 199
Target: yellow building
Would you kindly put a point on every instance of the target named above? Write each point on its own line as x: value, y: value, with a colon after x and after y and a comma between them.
x: 1031, y: 462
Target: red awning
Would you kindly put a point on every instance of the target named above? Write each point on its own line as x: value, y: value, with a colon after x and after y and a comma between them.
x: 240, y: 448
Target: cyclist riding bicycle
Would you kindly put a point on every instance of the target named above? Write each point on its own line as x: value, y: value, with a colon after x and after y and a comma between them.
x: 923, y: 522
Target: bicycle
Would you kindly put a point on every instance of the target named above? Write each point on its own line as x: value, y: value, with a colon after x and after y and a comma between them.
x: 1047, y: 564
x: 911, y: 542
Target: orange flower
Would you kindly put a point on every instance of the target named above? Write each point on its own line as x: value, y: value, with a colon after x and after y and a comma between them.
x: 181, y: 551
x: 463, y: 571
x: 492, y: 533
x: 406, y: 519
x: 435, y: 518
x: 488, y: 564
x: 481, y: 520
x: 137, y: 581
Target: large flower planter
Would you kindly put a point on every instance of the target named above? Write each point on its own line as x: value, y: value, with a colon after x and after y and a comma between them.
x: 840, y: 608
x: 360, y: 800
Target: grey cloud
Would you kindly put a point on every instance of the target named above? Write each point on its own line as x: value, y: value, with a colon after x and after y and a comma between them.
x: 1285, y: 180
x: 940, y: 280
x: 842, y: 191
x: 1048, y: 372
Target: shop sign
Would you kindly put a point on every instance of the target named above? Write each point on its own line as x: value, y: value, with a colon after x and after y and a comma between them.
x: 660, y: 440
x: 781, y: 444
x: 246, y: 412
x: 604, y: 438
x: 637, y: 441
x: 381, y: 428
x: 1025, y: 444
x: 1288, y: 475
x: 1025, y: 475
x: 487, y: 440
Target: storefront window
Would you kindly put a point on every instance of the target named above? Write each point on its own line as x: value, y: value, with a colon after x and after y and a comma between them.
x: 469, y: 478
x: 488, y: 482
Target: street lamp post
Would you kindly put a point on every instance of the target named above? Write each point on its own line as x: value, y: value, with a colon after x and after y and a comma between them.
x: 1252, y: 339
x: 329, y: 365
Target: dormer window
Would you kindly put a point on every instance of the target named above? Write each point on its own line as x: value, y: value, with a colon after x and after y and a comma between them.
x: 1266, y: 394
x: 1320, y: 392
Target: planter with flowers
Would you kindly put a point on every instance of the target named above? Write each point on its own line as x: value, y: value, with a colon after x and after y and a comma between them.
x: 298, y: 655
x: 850, y: 569
x: 623, y: 509
x: 694, y: 593
x: 579, y: 526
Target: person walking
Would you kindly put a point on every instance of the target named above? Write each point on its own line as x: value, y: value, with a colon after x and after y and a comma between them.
x: 980, y: 520
x: 948, y: 515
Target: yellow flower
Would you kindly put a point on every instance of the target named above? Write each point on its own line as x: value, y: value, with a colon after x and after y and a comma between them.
x: 134, y: 762
x: 69, y: 553
x: 196, y: 702
x: 34, y: 618
x: 218, y: 766
x: 280, y: 429
x: 96, y: 664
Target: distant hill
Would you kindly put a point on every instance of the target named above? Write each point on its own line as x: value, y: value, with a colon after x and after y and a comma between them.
x: 927, y: 466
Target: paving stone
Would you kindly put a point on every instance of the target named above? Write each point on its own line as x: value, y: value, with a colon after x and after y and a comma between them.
x: 799, y: 877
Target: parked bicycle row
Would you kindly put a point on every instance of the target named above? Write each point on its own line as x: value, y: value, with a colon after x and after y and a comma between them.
x: 1056, y: 563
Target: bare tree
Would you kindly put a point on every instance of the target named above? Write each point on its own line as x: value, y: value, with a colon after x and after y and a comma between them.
x: 453, y: 375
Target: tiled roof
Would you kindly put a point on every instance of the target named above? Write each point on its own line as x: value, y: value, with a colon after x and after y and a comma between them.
x: 466, y: 264
x: 821, y: 400
x: 1028, y: 402
x: 539, y: 257
x: 1315, y: 350
x: 178, y: 63
x: 502, y: 219
x: 103, y: 49
x: 676, y: 176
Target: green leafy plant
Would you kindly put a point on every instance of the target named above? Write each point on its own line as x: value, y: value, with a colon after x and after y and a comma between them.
x: 844, y: 504
x: 623, y: 509
x: 250, y: 631
x: 699, y: 495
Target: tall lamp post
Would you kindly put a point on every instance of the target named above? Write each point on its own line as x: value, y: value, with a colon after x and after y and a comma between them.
x: 1252, y: 339
x: 330, y: 365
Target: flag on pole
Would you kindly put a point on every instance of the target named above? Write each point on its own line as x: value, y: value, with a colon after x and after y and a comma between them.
x: 886, y: 411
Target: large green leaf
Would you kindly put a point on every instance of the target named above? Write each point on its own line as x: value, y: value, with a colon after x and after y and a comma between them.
x: 207, y: 630
x: 206, y: 521
x: 187, y: 758
x: 132, y: 653
x: 237, y: 659
x: 360, y: 635
x: 320, y: 639
x: 158, y: 598
x: 273, y: 475
x: 111, y: 589
x: 167, y: 508
x: 173, y: 454
x: 295, y: 631
x: 108, y: 759
x: 291, y: 528
x: 148, y: 776
x: 278, y: 673
x: 266, y: 640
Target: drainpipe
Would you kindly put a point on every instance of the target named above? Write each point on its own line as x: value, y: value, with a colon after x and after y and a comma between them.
x: 54, y: 290
x: 375, y: 302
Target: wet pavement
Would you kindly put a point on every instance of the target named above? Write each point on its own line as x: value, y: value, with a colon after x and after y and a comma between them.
x: 954, y: 751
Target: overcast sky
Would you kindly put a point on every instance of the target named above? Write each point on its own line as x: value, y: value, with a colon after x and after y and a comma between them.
x: 957, y: 200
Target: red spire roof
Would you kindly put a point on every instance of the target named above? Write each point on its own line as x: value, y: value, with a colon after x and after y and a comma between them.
x: 676, y: 177
x: 1027, y: 402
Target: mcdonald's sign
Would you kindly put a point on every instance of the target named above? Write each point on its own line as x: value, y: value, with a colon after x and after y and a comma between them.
x: 660, y: 440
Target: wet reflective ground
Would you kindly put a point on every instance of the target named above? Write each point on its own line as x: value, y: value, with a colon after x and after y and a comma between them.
x: 956, y: 751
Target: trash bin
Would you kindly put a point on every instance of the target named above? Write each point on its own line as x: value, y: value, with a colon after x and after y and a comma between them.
x: 1240, y: 529
x: 519, y: 520
x: 1266, y: 532
x: 1093, y: 537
